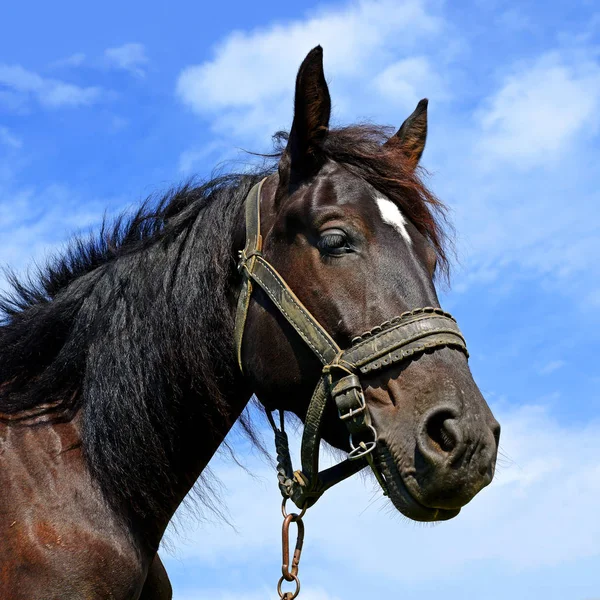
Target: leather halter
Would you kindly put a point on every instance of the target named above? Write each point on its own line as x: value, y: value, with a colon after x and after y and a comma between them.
x: 410, y: 334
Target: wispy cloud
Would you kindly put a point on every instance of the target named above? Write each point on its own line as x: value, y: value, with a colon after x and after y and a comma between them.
x: 521, y: 181
x: 248, y: 85
x: 221, y: 153
x: 408, y: 80
x: 552, y: 366
x: 536, y: 114
x: 31, y: 231
x: 216, y: 594
x: 535, y: 515
x: 128, y: 57
x: 49, y: 93
x: 9, y: 139
x: 526, y: 137
x: 74, y: 60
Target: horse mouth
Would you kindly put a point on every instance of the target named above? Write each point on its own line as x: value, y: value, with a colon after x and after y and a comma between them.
x: 400, y: 495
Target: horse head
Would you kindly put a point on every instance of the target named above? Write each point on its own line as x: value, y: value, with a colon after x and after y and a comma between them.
x: 348, y: 225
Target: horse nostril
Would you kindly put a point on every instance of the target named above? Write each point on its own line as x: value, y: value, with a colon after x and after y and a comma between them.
x: 441, y: 430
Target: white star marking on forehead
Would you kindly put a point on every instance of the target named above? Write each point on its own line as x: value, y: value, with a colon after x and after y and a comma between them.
x: 391, y: 215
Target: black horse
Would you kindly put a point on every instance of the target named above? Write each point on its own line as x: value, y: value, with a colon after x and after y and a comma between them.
x: 118, y: 370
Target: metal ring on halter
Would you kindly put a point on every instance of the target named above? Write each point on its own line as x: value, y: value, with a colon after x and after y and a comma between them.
x: 363, y: 448
x: 287, y: 595
x: 285, y: 513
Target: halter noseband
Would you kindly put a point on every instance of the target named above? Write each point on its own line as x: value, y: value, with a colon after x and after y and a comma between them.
x: 412, y: 333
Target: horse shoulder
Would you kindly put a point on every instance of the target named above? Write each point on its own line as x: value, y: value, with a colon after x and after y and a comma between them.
x: 59, y: 537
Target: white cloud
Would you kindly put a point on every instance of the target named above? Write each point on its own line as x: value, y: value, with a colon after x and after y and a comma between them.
x: 515, y: 224
x: 516, y: 20
x: 9, y: 139
x: 518, y: 176
x: 538, y: 513
x: 128, y: 57
x: 203, y: 594
x: 407, y: 81
x: 506, y: 152
x: 75, y: 60
x: 552, y: 366
x: 218, y: 153
x: 49, y: 93
x: 118, y: 123
x: 31, y: 230
x: 540, y: 109
x: 249, y: 83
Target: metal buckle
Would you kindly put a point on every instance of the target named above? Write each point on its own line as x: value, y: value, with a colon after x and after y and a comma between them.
x: 354, y: 411
x: 344, y: 387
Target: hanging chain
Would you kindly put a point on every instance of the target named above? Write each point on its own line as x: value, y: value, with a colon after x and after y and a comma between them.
x: 289, y: 572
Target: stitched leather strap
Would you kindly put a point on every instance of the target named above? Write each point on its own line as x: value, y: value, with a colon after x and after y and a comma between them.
x: 257, y: 269
x: 311, y: 435
x: 248, y: 256
x: 289, y: 305
x: 410, y: 335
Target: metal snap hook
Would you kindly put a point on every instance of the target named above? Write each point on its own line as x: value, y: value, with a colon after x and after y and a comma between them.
x: 289, y: 574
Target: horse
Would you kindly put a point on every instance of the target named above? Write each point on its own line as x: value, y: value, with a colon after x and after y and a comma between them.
x: 125, y: 363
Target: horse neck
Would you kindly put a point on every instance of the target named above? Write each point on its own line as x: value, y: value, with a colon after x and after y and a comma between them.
x: 163, y: 389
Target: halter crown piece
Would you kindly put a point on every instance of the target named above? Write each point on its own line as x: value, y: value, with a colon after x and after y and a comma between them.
x: 396, y: 340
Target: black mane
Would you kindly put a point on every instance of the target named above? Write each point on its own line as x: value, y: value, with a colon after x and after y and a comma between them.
x: 39, y: 316
x: 114, y: 324
x: 106, y: 326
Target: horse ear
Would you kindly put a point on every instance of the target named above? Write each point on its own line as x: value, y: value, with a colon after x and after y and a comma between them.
x: 411, y: 136
x: 312, y: 109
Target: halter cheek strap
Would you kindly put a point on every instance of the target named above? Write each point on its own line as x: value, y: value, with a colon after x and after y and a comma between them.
x: 396, y: 340
x: 256, y: 269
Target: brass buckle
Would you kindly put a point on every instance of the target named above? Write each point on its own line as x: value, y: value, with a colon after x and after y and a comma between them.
x: 355, y: 411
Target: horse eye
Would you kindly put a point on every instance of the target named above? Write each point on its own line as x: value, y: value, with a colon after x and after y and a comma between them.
x: 334, y: 241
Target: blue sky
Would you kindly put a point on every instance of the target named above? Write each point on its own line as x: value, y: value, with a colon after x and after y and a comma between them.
x: 102, y: 105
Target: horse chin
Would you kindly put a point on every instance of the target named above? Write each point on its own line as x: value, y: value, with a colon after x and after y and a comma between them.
x: 402, y: 498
